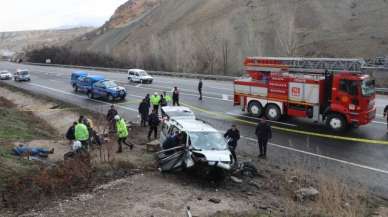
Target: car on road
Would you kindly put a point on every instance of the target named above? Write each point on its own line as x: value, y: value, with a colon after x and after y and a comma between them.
x: 201, y: 147
x: 139, y: 76
x: 85, y: 83
x: 5, y: 75
x: 75, y: 76
x: 22, y: 75
x: 107, y: 89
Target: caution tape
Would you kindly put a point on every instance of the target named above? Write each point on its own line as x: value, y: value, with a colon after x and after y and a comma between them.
x: 302, y: 132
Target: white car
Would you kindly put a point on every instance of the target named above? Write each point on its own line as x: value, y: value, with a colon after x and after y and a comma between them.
x: 22, y: 75
x: 139, y: 76
x: 5, y: 75
x: 177, y: 112
x: 200, y: 146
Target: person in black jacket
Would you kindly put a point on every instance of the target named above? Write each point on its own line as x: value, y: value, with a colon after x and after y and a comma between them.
x: 263, y: 133
x: 144, y: 110
x: 110, y: 117
x: 233, y: 135
x: 175, y: 97
x: 386, y: 114
x: 70, y: 134
x: 200, y: 84
x: 153, y: 122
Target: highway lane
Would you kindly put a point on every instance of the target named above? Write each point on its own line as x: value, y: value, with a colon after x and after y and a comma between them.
x: 55, y: 82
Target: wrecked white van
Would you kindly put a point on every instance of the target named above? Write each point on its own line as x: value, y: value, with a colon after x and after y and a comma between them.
x: 199, y: 146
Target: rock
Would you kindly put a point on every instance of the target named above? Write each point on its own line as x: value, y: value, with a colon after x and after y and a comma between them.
x: 236, y: 180
x: 199, y: 198
x: 254, y: 184
x: 153, y: 146
x: 306, y: 194
x: 214, y: 200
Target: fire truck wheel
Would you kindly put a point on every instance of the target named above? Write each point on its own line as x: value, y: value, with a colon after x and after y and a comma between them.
x: 255, y: 108
x: 272, y: 112
x: 336, y: 122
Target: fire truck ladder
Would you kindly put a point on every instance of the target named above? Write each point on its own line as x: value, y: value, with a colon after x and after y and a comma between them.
x: 315, y: 65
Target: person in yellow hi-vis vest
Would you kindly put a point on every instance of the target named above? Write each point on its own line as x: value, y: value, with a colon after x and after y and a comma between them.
x: 155, y: 101
x: 122, y: 133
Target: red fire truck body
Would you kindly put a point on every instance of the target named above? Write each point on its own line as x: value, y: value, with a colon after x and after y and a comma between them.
x: 333, y: 91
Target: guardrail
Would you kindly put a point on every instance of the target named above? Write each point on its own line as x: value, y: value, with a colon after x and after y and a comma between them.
x: 382, y: 91
x: 172, y: 74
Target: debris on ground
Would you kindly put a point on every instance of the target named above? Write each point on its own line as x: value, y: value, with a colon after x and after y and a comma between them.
x: 236, y: 180
x: 153, y: 146
x: 309, y: 193
x: 214, y: 200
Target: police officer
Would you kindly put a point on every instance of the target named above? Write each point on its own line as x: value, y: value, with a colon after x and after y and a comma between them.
x: 122, y: 133
x: 81, y: 133
x: 155, y: 101
x: 233, y: 134
x: 263, y: 133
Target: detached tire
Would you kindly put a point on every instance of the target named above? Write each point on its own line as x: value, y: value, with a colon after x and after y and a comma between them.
x: 272, y: 112
x: 255, y: 109
x: 336, y: 122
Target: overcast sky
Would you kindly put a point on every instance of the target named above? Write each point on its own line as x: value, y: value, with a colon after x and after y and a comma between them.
x: 43, y: 14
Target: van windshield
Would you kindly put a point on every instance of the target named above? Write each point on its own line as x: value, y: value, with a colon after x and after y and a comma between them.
x: 368, y: 87
x: 208, y: 141
x: 23, y: 73
x: 142, y: 73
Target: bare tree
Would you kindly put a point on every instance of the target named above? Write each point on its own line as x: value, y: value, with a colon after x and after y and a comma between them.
x: 286, y: 32
x: 225, y: 55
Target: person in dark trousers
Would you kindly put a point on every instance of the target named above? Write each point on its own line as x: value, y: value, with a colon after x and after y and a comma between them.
x: 175, y: 97
x: 144, y: 110
x: 110, y: 117
x: 148, y: 100
x: 386, y: 114
x: 153, y: 122
x: 163, y: 101
x: 70, y: 133
x: 200, y: 85
x: 122, y: 133
x: 263, y: 133
x: 233, y: 135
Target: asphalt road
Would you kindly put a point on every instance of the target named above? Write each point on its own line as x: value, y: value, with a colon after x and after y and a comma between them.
x: 360, y: 155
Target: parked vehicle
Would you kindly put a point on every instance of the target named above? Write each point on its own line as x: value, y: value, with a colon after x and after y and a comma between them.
x: 75, y: 76
x: 5, y: 75
x: 22, y: 75
x: 177, y: 112
x: 333, y: 91
x: 107, y: 89
x: 139, y: 76
x: 85, y: 83
x: 201, y: 147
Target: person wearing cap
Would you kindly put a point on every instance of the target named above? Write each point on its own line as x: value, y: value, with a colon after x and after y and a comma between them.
x: 122, y: 133
x: 233, y: 135
x: 155, y: 101
x: 263, y: 133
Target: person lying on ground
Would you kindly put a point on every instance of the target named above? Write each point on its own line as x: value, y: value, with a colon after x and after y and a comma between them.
x: 32, y: 151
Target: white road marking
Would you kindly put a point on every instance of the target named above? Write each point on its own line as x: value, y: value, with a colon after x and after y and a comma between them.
x: 251, y: 139
x: 324, y: 157
x: 379, y: 122
x: 253, y: 118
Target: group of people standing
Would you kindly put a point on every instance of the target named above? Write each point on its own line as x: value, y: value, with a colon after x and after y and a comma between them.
x: 83, y: 132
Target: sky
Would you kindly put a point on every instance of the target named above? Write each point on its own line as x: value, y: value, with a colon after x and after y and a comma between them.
x: 17, y: 15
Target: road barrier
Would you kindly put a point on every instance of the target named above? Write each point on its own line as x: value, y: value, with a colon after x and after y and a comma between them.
x: 383, y: 91
x: 172, y: 74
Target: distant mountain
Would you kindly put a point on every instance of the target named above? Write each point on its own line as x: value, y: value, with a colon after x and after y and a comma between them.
x: 214, y: 36
x: 13, y: 42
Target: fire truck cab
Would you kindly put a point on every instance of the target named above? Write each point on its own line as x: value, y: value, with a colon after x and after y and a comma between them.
x: 331, y: 91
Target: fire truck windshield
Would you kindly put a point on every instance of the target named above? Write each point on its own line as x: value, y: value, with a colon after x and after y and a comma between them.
x: 368, y: 87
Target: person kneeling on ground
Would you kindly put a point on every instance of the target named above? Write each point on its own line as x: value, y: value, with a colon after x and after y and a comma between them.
x: 32, y: 151
x: 81, y: 133
x: 122, y: 133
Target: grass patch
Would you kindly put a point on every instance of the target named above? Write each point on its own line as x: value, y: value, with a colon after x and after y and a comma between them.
x: 18, y: 125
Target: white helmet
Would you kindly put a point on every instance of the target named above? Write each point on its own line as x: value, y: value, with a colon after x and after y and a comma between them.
x: 76, y: 145
x: 117, y: 117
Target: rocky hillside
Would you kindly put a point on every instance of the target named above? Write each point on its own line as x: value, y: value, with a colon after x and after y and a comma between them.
x: 213, y: 36
x: 11, y: 42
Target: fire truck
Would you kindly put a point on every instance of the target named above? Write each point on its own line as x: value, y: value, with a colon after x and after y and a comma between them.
x: 332, y: 91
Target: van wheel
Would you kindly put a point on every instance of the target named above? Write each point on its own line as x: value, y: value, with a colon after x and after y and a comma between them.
x: 111, y: 98
x: 272, y: 112
x: 75, y: 88
x: 336, y: 122
x: 255, y: 109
